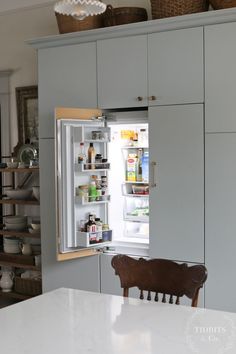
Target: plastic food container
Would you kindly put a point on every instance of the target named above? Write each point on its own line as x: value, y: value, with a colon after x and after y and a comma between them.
x: 140, y: 189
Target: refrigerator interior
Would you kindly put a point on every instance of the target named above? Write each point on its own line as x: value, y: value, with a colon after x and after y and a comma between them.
x: 128, y: 211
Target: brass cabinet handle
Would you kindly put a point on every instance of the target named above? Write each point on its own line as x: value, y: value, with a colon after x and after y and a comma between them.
x: 140, y: 98
x: 152, y: 98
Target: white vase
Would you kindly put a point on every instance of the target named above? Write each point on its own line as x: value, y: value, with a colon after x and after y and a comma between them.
x: 6, y: 282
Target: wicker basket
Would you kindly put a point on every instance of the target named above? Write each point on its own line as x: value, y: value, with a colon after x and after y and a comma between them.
x: 29, y: 287
x: 123, y: 15
x: 169, y: 8
x: 222, y: 4
x: 68, y: 24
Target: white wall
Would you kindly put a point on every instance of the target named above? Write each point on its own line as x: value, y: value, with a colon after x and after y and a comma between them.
x: 17, y: 26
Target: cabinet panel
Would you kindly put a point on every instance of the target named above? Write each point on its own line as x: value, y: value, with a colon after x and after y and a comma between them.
x: 122, y: 72
x: 67, y: 77
x: 220, y: 76
x: 177, y: 203
x: 70, y: 274
x: 175, y: 66
x: 220, y: 221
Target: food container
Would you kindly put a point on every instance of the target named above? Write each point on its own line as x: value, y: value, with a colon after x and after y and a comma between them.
x: 140, y: 189
x: 96, y: 135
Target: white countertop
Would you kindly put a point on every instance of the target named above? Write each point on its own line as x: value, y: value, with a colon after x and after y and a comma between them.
x: 68, y: 321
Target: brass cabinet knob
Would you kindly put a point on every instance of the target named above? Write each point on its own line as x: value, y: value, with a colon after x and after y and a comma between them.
x: 152, y: 98
x: 139, y: 98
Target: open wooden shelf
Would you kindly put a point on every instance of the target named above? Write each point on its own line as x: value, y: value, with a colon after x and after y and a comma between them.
x: 18, y: 234
x: 22, y: 170
x: 14, y: 295
x: 19, y: 265
x: 19, y: 201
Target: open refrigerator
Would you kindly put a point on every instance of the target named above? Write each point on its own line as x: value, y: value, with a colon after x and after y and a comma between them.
x: 119, y: 168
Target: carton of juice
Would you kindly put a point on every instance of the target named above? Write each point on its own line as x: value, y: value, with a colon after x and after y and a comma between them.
x: 131, y: 168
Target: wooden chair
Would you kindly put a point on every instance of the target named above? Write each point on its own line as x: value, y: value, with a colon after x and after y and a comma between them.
x: 160, y: 276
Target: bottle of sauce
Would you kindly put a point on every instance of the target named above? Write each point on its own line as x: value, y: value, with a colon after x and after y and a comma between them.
x: 91, y: 156
x: 90, y: 226
x: 92, y: 191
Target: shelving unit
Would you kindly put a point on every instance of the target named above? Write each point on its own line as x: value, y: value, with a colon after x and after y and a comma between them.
x: 18, y: 261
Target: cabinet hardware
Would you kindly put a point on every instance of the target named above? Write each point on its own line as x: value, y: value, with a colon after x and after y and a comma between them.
x: 140, y: 98
x: 152, y: 98
x: 153, y: 183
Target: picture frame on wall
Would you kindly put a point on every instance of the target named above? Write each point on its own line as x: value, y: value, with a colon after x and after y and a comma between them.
x: 27, y: 114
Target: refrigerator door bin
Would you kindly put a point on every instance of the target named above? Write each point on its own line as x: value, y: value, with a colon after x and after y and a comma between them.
x: 94, y: 239
x: 92, y: 200
x: 89, y: 167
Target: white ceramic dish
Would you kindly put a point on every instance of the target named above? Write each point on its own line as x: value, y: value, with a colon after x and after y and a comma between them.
x: 36, y: 226
x: 12, y: 164
x: 32, y: 231
x: 16, y: 219
x: 19, y: 194
x: 36, y: 193
x: 15, y: 227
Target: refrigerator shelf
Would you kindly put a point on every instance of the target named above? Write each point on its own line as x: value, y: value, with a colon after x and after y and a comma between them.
x: 141, y: 219
x: 85, y: 239
x: 99, y: 167
x: 135, y: 182
x: 136, y: 195
x: 83, y: 201
x: 134, y: 147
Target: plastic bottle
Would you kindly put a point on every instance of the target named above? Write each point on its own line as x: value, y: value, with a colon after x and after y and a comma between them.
x: 145, y: 167
x: 82, y: 156
x: 91, y: 156
x: 92, y: 191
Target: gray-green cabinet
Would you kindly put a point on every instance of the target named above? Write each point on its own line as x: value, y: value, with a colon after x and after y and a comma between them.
x: 177, y: 200
x: 175, y: 67
x: 221, y: 220
x: 67, y: 78
x: 122, y: 72
x: 220, y: 77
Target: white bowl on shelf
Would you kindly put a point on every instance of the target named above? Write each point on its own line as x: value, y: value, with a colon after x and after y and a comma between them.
x: 12, y: 164
x: 36, y: 193
x: 36, y: 226
x: 16, y: 226
x: 16, y: 219
x: 19, y: 194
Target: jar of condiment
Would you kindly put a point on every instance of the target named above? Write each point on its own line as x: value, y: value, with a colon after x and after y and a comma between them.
x: 82, y: 192
x: 96, y: 135
x: 105, y: 227
x: 98, y: 161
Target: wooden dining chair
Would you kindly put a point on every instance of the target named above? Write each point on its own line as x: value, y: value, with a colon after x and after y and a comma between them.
x: 160, y: 276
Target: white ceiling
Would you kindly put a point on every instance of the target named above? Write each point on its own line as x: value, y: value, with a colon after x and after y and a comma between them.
x: 10, y: 5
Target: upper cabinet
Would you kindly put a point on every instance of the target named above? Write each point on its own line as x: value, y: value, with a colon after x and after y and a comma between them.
x: 122, y: 72
x: 157, y: 69
x: 220, y: 76
x: 67, y: 77
x: 175, y: 67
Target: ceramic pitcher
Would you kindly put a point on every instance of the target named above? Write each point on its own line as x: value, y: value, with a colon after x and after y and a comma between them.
x: 6, y: 282
x: 26, y: 249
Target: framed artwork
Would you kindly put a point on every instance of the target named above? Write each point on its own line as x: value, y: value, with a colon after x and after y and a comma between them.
x: 27, y: 114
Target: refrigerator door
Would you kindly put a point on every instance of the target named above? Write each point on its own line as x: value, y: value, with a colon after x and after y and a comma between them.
x: 73, y: 208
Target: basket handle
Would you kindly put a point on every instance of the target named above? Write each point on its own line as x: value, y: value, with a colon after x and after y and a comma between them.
x: 110, y: 9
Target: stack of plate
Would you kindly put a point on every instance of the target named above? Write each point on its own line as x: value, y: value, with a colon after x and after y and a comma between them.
x: 11, y: 245
x: 16, y: 223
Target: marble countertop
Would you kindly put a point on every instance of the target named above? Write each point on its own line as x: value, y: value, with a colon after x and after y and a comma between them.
x: 68, y: 321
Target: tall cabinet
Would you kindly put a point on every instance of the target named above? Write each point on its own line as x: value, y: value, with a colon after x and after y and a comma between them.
x: 220, y: 165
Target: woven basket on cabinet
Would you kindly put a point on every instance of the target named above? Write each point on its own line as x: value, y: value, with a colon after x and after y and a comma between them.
x: 222, y: 4
x: 68, y: 24
x: 123, y: 15
x: 169, y: 8
x: 29, y: 287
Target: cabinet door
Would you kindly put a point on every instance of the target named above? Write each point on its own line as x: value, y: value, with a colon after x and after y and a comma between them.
x: 220, y: 51
x: 220, y: 221
x: 67, y: 77
x: 175, y: 67
x: 122, y: 72
x: 177, y: 202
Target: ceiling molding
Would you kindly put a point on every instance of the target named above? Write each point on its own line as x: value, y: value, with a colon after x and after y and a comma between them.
x: 26, y: 8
